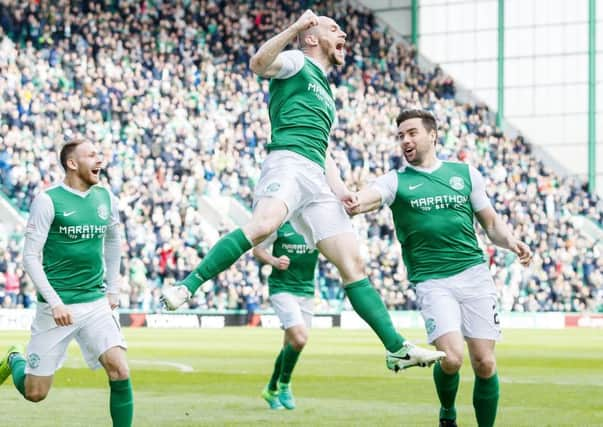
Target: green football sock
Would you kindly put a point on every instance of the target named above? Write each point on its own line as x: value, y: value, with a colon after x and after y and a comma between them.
x: 121, y: 403
x: 278, y: 363
x: 17, y: 367
x: 290, y: 356
x: 221, y: 256
x: 485, y: 400
x: 368, y: 304
x: 447, y: 386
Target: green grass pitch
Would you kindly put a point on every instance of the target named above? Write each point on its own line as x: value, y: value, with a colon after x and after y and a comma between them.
x: 548, y: 378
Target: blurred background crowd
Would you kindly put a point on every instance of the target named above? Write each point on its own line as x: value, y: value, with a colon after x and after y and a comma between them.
x: 165, y: 90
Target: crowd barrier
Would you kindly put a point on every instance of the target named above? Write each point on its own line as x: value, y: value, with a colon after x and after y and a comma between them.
x: 21, y: 319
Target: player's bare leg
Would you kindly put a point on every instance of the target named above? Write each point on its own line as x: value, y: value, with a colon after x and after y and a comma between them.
x: 268, y: 215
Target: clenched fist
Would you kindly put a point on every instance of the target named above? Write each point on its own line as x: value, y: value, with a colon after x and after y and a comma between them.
x: 306, y: 21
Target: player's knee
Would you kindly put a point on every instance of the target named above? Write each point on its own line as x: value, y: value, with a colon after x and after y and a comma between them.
x: 485, y: 367
x: 299, y: 342
x: 117, y: 373
x: 260, y: 230
x: 353, y: 268
x: 36, y: 395
x: 452, y: 362
x: 117, y: 368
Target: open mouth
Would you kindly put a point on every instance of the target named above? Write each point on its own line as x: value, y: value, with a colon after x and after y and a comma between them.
x: 95, y: 172
x: 409, y: 151
x: 339, y: 47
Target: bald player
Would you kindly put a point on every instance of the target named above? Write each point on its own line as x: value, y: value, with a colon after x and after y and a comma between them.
x: 300, y: 181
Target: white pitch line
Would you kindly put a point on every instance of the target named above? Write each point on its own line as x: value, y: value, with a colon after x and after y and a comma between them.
x: 564, y: 381
x: 180, y: 366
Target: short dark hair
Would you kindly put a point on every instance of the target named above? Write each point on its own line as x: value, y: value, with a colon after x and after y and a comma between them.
x: 68, y: 149
x: 427, y: 118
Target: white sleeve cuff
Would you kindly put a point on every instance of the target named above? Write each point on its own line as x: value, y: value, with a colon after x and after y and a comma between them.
x: 387, y: 186
x: 479, y: 198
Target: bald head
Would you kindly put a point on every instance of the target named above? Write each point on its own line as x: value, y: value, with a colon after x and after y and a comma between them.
x: 310, y: 36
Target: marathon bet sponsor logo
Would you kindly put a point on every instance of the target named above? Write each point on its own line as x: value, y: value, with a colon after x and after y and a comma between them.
x: 444, y: 201
x: 297, y: 248
x: 322, y: 95
x: 85, y: 231
x: 456, y: 182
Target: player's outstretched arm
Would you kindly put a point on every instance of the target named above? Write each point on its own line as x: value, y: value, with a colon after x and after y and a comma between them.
x: 280, y: 263
x: 265, y: 62
x: 379, y: 193
x: 367, y: 199
x: 500, y: 234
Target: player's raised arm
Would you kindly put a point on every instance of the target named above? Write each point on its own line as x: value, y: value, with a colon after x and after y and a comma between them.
x: 266, y: 61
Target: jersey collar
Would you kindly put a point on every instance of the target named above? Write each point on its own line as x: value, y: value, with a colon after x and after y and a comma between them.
x: 317, y: 64
x: 82, y: 194
x: 432, y: 169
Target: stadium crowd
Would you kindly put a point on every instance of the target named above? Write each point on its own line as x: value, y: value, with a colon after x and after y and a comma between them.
x: 165, y: 90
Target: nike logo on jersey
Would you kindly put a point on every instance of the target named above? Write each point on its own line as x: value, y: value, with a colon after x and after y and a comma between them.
x: 68, y: 213
x: 414, y: 187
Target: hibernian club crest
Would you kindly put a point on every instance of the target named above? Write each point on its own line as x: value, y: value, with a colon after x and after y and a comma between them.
x: 457, y: 183
x: 103, y: 212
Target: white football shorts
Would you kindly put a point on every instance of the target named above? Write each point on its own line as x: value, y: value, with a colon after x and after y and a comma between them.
x: 465, y: 302
x: 301, y: 184
x: 94, y: 327
x: 293, y: 310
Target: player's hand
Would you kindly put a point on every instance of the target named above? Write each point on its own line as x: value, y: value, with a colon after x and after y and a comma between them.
x: 282, y: 262
x: 523, y: 252
x: 350, y: 202
x: 113, y: 300
x: 62, y: 315
x: 306, y: 21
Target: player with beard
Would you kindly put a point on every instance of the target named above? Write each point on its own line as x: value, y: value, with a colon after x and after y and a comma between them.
x: 434, y: 205
x: 72, y: 245
x: 300, y: 181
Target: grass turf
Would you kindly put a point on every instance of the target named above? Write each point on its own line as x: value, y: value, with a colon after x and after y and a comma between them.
x: 548, y: 378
